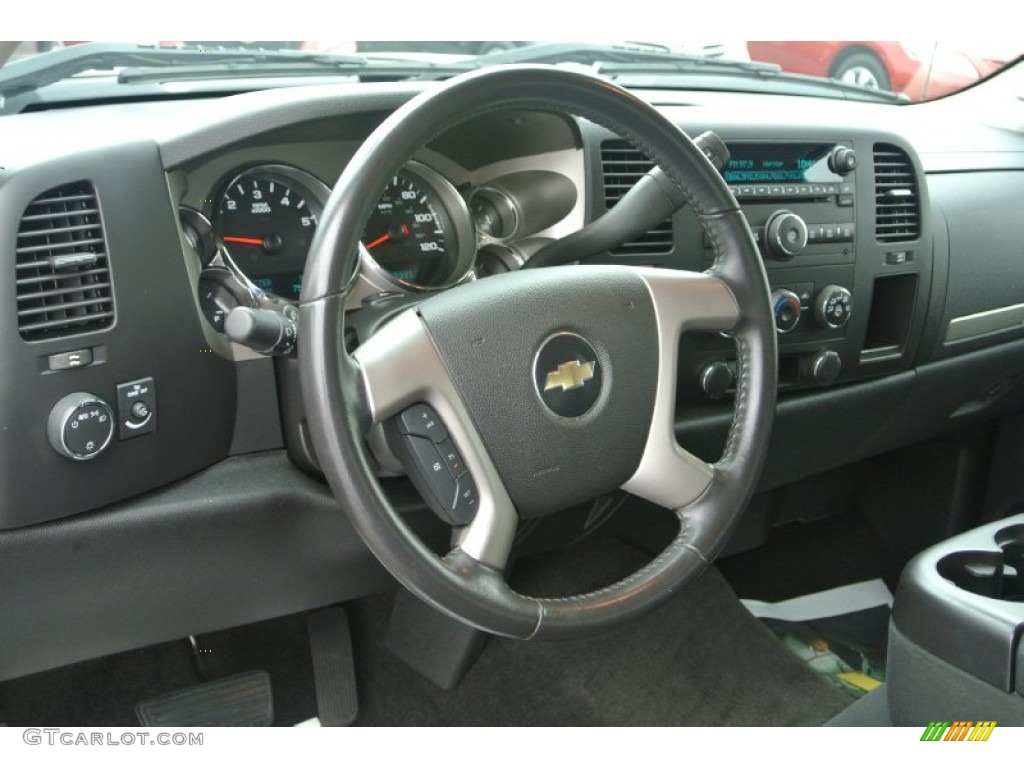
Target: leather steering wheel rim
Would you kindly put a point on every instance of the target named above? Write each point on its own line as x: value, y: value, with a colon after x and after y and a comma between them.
x: 344, y: 396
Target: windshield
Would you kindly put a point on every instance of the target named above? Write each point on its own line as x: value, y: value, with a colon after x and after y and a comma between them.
x: 896, y: 71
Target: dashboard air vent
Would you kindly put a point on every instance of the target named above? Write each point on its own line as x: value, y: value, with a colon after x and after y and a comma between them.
x: 61, y: 274
x: 623, y: 165
x: 897, y: 207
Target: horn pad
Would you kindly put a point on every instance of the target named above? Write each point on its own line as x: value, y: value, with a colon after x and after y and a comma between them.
x: 558, y: 369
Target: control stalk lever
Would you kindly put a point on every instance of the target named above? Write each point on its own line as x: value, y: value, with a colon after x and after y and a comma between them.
x: 650, y: 201
x: 267, y: 331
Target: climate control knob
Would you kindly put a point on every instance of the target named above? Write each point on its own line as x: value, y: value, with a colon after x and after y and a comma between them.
x: 824, y: 367
x: 832, y: 306
x: 785, y: 234
x: 80, y: 426
x: 717, y: 379
x: 786, y: 310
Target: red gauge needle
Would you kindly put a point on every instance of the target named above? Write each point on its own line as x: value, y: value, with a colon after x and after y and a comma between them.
x: 243, y: 240
x: 403, y: 232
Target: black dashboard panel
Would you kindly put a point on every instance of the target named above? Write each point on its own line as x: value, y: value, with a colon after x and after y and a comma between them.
x: 156, y: 334
x: 137, y: 513
x: 984, y: 301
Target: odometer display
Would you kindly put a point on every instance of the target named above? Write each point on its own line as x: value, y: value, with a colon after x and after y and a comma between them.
x: 410, y: 234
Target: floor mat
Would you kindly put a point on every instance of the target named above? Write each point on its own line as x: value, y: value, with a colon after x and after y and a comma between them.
x: 840, y: 633
x: 701, y: 659
x: 800, y: 558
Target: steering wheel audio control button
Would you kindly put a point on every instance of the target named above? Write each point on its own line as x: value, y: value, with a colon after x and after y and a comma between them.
x: 451, y: 457
x: 467, y: 499
x: 421, y: 421
x: 435, y: 465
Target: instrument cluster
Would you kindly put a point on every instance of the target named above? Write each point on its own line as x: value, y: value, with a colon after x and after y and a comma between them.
x: 424, y: 234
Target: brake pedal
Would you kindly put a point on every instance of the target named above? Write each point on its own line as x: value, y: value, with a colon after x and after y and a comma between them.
x: 240, y: 700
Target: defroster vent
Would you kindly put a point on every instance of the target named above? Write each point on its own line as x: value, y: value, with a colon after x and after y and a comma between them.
x: 897, y: 202
x: 62, y: 273
x: 623, y: 165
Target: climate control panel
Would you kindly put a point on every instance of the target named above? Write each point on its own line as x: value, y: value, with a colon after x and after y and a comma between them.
x: 799, y: 305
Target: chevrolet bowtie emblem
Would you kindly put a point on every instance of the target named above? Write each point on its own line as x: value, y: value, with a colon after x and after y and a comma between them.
x: 570, y: 375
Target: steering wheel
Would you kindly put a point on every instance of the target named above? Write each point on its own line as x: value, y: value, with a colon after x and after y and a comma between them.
x: 555, y: 385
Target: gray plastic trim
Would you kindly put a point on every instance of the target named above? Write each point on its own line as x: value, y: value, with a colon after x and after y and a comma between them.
x: 983, y: 323
x: 400, y: 367
x: 683, y: 301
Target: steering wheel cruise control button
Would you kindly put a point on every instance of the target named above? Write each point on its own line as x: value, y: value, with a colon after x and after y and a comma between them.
x: 434, y: 471
x: 421, y: 421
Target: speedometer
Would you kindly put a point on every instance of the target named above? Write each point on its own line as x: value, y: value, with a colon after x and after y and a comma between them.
x: 419, y: 234
x: 265, y: 219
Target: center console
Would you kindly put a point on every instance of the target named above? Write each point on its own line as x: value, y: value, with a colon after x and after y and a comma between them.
x: 955, y: 649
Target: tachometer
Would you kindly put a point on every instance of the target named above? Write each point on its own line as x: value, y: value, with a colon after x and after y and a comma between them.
x: 419, y: 234
x: 265, y: 219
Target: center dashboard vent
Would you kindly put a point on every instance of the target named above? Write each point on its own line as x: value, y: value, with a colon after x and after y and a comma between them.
x: 897, y: 202
x: 622, y: 166
x: 62, y: 275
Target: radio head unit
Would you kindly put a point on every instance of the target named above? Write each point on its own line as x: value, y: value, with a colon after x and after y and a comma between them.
x: 791, y: 169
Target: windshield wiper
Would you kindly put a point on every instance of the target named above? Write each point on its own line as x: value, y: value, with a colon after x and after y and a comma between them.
x: 601, y: 56
x: 616, y: 61
x: 139, y: 63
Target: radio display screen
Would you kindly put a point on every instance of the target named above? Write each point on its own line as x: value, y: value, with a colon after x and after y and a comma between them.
x: 754, y: 163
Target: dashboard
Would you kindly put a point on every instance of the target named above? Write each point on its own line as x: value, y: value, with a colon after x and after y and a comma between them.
x: 131, y: 233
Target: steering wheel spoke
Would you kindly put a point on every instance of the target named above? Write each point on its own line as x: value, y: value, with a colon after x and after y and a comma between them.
x: 667, y: 474
x: 400, y: 368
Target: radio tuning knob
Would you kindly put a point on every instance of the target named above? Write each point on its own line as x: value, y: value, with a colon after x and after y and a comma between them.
x: 843, y: 160
x: 785, y: 310
x: 785, y: 234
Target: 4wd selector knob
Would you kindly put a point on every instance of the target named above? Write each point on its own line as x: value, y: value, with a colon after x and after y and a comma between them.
x: 80, y: 426
x: 785, y: 310
x: 832, y: 306
x: 785, y: 234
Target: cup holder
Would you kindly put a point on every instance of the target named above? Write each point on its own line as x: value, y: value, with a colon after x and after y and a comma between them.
x: 995, y: 574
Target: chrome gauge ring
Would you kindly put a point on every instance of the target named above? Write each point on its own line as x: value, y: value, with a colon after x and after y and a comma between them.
x: 420, y: 235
